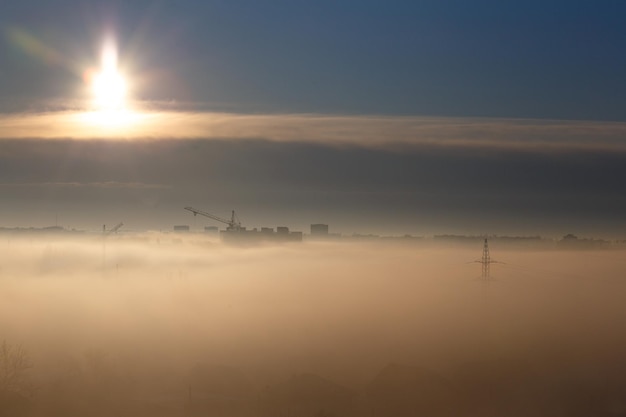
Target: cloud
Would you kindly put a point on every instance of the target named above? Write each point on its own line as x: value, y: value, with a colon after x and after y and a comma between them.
x: 421, y: 189
x: 366, y: 131
x: 74, y: 184
x: 435, y: 174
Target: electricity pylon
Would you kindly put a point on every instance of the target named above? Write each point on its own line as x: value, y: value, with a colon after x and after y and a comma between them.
x: 486, y: 261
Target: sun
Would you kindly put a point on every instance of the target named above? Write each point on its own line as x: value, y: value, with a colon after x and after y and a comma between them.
x: 108, y: 86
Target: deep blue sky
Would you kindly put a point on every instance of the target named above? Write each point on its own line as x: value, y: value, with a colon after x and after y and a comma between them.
x: 533, y: 59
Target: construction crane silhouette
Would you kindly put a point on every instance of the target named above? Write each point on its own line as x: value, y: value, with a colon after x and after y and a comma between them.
x: 106, y: 233
x: 233, y: 223
x: 113, y: 230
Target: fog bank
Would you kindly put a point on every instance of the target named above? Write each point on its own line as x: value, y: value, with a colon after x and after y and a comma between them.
x: 163, y: 325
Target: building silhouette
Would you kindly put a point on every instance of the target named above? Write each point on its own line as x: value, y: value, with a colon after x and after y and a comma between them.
x: 319, y: 229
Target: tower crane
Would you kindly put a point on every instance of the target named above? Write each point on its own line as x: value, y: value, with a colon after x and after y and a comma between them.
x: 233, y: 223
x: 106, y: 233
x: 113, y: 230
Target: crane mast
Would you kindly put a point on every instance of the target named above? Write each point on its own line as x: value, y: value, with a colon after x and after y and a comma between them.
x: 233, y: 223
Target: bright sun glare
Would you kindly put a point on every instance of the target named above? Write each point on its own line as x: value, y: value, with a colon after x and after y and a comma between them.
x: 108, y: 86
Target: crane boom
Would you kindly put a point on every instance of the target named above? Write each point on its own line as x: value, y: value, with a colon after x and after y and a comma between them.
x: 233, y: 223
x: 113, y: 230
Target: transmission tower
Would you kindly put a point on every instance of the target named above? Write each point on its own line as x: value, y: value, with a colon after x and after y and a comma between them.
x: 486, y: 260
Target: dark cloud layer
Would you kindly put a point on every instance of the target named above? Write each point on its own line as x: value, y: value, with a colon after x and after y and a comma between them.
x: 412, y: 185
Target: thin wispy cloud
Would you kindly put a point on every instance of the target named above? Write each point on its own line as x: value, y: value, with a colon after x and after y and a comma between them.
x: 367, y: 131
x: 74, y: 184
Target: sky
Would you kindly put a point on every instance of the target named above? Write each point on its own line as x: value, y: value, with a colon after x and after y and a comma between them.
x: 417, y: 117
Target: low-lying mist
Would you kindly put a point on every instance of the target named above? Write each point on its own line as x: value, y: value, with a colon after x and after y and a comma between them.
x: 175, y: 325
